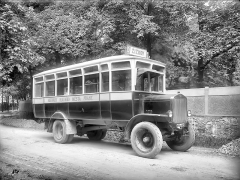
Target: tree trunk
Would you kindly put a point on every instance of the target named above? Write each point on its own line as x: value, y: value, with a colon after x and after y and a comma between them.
x: 2, y: 99
x: 1, y: 45
x: 12, y: 103
x: 57, y: 58
x: 7, y: 99
x: 149, y: 45
x: 31, y: 82
x: 200, y: 70
x: 147, y: 40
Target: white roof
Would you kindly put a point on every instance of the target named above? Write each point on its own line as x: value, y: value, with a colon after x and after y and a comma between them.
x: 97, y: 61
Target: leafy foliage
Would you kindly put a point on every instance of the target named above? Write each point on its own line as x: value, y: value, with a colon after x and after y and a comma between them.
x: 198, y: 40
x: 218, y: 43
x: 17, y: 47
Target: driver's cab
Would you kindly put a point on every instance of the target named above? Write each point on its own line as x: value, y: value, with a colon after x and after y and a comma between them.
x: 149, y: 77
x: 149, y: 80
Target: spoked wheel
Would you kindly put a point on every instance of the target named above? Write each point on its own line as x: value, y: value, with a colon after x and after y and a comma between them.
x: 96, y: 135
x: 59, y: 132
x: 185, y: 142
x: 146, y: 139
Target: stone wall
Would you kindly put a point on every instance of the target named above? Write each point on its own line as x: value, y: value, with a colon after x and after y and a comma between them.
x: 215, y: 131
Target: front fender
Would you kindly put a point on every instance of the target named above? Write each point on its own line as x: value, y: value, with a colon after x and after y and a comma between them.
x: 140, y: 118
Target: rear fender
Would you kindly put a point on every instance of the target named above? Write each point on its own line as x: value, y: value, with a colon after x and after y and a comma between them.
x: 71, y: 127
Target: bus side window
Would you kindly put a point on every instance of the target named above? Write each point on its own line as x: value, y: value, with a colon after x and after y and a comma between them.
x: 39, y: 87
x: 121, y: 80
x: 91, y: 83
x: 160, y: 81
x: 154, y: 83
x: 62, y: 86
x: 50, y: 88
x: 142, y: 82
x: 105, y: 81
x: 76, y: 85
x: 39, y: 90
x: 157, y: 83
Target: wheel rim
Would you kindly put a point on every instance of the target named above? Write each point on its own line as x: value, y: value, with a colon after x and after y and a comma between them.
x: 59, y: 130
x: 144, y: 140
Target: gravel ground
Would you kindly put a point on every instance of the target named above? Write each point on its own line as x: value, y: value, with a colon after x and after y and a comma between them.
x: 22, y: 123
x: 232, y: 148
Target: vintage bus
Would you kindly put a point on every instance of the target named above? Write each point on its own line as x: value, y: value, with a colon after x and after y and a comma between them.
x: 124, y: 92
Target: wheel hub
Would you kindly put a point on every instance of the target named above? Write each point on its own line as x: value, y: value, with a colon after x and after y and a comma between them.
x: 146, y: 139
x: 59, y: 131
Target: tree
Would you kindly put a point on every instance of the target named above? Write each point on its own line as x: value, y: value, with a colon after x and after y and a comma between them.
x: 65, y: 32
x: 17, y: 46
x: 217, y: 43
x: 198, y: 40
x: 157, y: 26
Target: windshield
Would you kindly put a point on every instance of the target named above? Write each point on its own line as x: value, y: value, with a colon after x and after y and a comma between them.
x: 149, y: 81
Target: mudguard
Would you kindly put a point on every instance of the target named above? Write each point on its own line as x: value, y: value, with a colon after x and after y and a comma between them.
x: 71, y: 127
x: 140, y: 118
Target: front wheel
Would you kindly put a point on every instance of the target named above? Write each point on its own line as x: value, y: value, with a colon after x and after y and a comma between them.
x: 146, y: 139
x: 185, y: 142
x: 59, y: 132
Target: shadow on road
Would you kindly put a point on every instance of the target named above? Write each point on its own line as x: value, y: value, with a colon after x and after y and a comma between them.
x: 79, y: 142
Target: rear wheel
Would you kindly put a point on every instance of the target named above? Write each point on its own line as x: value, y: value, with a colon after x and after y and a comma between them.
x: 146, y: 139
x: 96, y: 135
x: 59, y: 132
x: 183, y: 143
x: 70, y: 138
x: 104, y: 133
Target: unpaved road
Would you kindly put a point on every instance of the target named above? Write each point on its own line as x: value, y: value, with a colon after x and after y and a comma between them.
x: 31, y: 154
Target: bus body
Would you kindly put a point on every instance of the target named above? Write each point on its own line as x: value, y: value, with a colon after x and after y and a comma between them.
x: 124, y: 92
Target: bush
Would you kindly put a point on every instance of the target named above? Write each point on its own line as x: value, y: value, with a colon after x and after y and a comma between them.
x: 210, y: 141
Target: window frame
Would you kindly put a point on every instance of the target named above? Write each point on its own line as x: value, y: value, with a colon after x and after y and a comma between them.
x: 61, y: 78
x: 121, y: 69
x: 38, y: 82
x: 76, y: 75
x: 91, y: 73
x: 150, y: 64
x: 101, y: 77
x: 48, y: 80
x: 162, y: 73
x: 108, y: 67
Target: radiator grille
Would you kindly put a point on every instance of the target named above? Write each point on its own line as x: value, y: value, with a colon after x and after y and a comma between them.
x: 179, y: 108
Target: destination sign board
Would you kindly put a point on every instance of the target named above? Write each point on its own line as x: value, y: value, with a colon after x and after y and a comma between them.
x: 131, y: 50
x: 82, y: 98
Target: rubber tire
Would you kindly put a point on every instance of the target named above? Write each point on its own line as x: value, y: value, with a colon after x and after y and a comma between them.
x: 104, y: 133
x: 96, y: 135
x: 156, y: 136
x: 60, y: 138
x: 70, y: 138
x: 186, y: 143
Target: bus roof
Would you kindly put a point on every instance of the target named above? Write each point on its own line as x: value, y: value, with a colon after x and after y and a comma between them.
x: 96, y: 61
